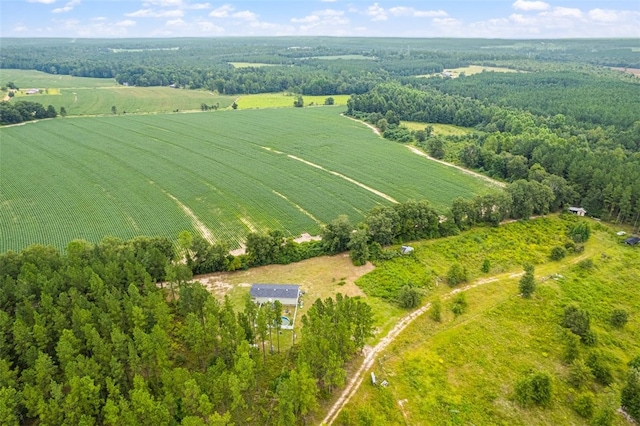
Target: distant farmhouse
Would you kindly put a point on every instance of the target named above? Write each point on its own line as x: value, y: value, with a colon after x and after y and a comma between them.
x: 32, y: 92
x: 632, y: 241
x: 287, y: 294
x: 578, y: 211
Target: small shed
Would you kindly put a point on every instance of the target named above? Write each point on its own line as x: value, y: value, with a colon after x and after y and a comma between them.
x: 578, y: 211
x: 406, y: 249
x: 287, y: 294
x: 632, y: 241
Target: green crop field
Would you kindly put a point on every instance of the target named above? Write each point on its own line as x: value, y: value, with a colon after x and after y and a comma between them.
x: 223, y: 173
x: 26, y: 79
x: 250, y: 65
x: 129, y: 100
x: 463, y: 370
x: 279, y: 100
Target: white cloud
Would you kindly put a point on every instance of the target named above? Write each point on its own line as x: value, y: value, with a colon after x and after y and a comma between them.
x: 42, y: 1
x: 126, y: 23
x: 20, y: 27
x: 222, y: 12
x: 328, y: 1
x: 67, y: 7
x: 410, y: 11
x: 601, y: 15
x: 377, y: 13
x: 246, y: 15
x: 563, y: 12
x: 530, y: 5
x: 150, y: 13
x: 199, y: 6
x: 176, y: 23
x: 207, y: 27
x: 164, y: 3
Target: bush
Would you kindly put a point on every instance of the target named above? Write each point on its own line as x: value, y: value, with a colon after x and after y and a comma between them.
x: 580, y: 374
x: 630, y: 398
x: 486, y: 266
x: 409, y: 297
x: 459, y: 305
x: 585, y: 404
x: 586, y: 264
x: 436, y: 310
x: 577, y: 320
x: 527, y: 283
x: 457, y: 274
x: 558, y: 253
x: 535, y: 388
x: 619, y: 318
x: 571, y: 350
x: 601, y: 370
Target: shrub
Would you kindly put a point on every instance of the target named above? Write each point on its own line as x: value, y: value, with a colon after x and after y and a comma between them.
x: 457, y: 274
x: 586, y: 264
x: 409, y: 297
x: 584, y: 404
x: 580, y: 374
x: 535, y: 388
x: 459, y: 305
x: 601, y: 370
x: 527, y: 284
x: 486, y: 266
x: 577, y: 320
x: 619, y: 318
x: 558, y: 253
x: 436, y: 310
x: 630, y: 398
x: 571, y: 350
x: 580, y: 232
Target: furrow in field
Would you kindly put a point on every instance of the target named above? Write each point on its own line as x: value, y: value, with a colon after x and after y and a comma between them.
x: 197, y: 223
x: 303, y: 211
x: 348, y: 179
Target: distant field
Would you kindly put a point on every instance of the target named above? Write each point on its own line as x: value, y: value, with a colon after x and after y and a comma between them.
x: 28, y: 79
x: 277, y: 100
x: 130, y: 100
x: 334, y: 57
x: 250, y: 65
x: 439, y: 129
x: 220, y: 174
x: 471, y: 70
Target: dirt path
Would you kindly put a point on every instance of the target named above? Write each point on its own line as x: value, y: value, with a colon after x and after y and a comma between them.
x: 371, y: 353
x: 462, y: 169
x: 423, y: 154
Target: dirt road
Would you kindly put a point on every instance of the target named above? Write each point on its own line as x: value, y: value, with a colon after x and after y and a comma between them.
x: 371, y: 353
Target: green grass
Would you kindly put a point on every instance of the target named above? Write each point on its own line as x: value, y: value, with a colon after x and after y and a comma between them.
x: 250, y: 65
x: 135, y: 100
x: 279, y: 100
x: 135, y: 175
x: 27, y: 79
x: 346, y: 57
x: 471, y: 70
x: 463, y: 370
x: 439, y: 129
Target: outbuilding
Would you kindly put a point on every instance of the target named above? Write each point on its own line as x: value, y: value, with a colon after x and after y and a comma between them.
x: 578, y: 211
x: 406, y: 249
x: 287, y: 294
x: 632, y: 241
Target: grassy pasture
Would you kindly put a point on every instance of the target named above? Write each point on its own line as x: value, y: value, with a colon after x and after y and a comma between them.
x: 130, y: 100
x: 26, y: 79
x: 439, y: 129
x: 471, y: 70
x: 463, y: 370
x: 280, y: 100
x: 346, y: 57
x: 227, y: 171
x: 250, y: 65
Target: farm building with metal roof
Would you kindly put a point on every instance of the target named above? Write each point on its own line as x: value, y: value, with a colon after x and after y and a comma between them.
x: 287, y: 294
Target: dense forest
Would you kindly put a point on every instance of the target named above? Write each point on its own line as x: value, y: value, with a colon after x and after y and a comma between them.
x: 596, y: 167
x: 90, y: 337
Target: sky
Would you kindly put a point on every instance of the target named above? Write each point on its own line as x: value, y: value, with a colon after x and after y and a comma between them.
x: 395, y: 18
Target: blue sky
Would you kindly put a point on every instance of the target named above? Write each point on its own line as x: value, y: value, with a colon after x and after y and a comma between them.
x: 398, y: 18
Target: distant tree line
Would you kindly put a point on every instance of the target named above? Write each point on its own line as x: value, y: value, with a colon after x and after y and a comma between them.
x: 21, y: 111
